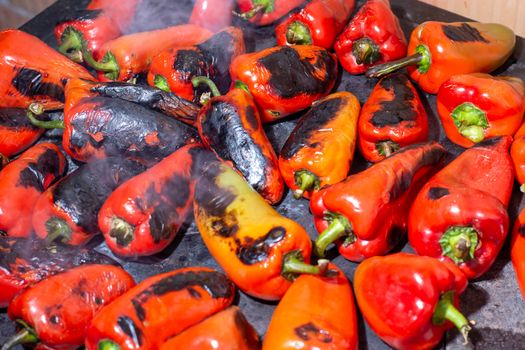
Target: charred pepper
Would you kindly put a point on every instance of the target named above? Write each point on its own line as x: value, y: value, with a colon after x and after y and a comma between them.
x: 317, y: 23
x: 517, y: 251
x: 475, y: 107
x: 317, y: 312
x: 460, y: 215
x: 57, y: 311
x: 392, y: 117
x: 265, y: 12
x: 410, y: 301
x: 213, y: 15
x: 286, y: 79
x: 159, y: 308
x: 320, y: 149
x: 260, y: 250
x: 16, y: 132
x: 517, y: 153
x: 367, y: 213
x: 22, y: 182
x: 372, y: 37
x: 439, y: 50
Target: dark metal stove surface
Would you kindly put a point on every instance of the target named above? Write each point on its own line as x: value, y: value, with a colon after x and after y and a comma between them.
x: 494, y: 301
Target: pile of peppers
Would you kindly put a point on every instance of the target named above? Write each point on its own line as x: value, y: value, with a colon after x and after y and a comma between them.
x: 192, y: 145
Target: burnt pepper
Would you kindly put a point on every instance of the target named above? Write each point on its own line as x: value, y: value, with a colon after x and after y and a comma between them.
x: 409, y: 301
x: 367, y: 213
x: 392, y: 117
x: 460, y: 215
x: 16, y: 132
x: 320, y: 149
x: 517, y: 153
x: 57, y: 311
x: 517, y: 250
x: 24, y: 262
x: 213, y: 15
x: 372, y: 37
x: 439, y: 50
x: 67, y: 211
x: 265, y: 12
x: 159, y: 308
x: 317, y: 23
x: 317, y: 312
x: 143, y: 215
x: 475, y: 107
x: 260, y: 250
x: 22, y: 181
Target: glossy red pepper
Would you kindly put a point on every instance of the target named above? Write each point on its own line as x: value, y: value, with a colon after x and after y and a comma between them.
x: 99, y: 22
x: 478, y: 106
x: 213, y: 15
x: 367, y: 213
x: 22, y: 181
x: 315, y: 313
x: 517, y: 250
x: 517, y: 153
x: 409, y: 301
x: 265, y: 12
x: 392, y: 117
x: 16, y: 132
x: 159, y: 308
x: 286, y: 79
x: 372, y: 37
x: 143, y: 215
x: 460, y: 215
x: 317, y: 23
x: 57, y: 311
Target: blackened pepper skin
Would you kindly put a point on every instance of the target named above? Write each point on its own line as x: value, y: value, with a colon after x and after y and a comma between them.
x: 68, y: 210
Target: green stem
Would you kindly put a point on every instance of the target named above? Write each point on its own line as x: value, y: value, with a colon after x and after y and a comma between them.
x: 72, y: 44
x: 298, y: 34
x: 242, y: 85
x: 365, y: 51
x: 471, y: 121
x: 338, y: 227
x: 122, y: 231
x: 37, y: 109
x: 294, y: 265
x: 108, y: 64
x: 196, y: 81
x: 386, y: 148
x: 421, y: 58
x: 258, y: 7
x: 161, y: 82
x: 446, y: 311
x: 107, y: 345
x: 25, y: 336
x: 459, y: 243
x: 306, y: 181
x: 57, y: 228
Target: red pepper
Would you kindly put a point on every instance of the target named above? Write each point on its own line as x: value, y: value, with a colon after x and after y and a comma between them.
x: 16, y: 132
x: 57, y: 311
x: 122, y: 58
x: 317, y: 23
x: 143, y: 215
x: 33, y: 72
x: 315, y: 313
x: 286, y: 79
x: 517, y: 152
x: 392, y: 117
x: 517, y: 250
x: 22, y: 182
x: 372, y: 37
x: 409, y: 301
x: 213, y: 15
x: 264, y: 12
x: 101, y: 21
x: 159, y: 308
x: 475, y: 107
x: 368, y: 212
x: 460, y: 215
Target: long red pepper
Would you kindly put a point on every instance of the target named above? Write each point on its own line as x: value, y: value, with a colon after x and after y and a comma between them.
x: 460, y: 215
x: 517, y: 152
x: 16, y: 132
x: 213, y: 15
x: 517, y: 251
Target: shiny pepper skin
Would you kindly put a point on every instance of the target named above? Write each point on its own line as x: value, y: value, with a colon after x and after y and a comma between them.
x: 16, y: 132
x: 517, y: 251
x: 517, y: 152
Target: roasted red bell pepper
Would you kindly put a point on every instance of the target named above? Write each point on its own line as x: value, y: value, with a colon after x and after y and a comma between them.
x: 517, y: 250
x: 99, y: 22
x: 367, y: 213
x: 172, y: 70
x: 320, y: 149
x: 143, y: 215
x: 286, y: 79
x: 439, y: 50
x: 57, y: 311
x: 392, y: 117
x: 24, y: 262
x: 227, y: 329
x: 213, y: 15
x: 475, y: 107
x: 517, y: 153
x: 460, y: 215
x: 409, y: 301
x: 264, y: 12
x: 317, y: 23
x: 260, y: 250
x: 33, y: 72
x: 230, y: 125
x: 315, y: 313
x: 22, y: 182
x: 159, y: 308
x: 122, y: 58
x: 67, y: 211
x: 16, y: 132
x: 372, y: 37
